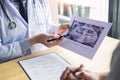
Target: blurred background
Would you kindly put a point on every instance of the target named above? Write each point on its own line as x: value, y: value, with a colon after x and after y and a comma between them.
x: 63, y: 10
x: 102, y: 10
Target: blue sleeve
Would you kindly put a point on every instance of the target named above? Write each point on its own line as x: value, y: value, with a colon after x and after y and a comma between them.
x: 9, y: 51
x: 25, y: 45
x: 13, y: 50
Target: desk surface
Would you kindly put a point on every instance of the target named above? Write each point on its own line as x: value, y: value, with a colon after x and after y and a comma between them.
x: 12, y: 71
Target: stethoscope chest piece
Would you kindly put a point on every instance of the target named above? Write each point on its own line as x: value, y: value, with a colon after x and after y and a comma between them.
x: 12, y: 25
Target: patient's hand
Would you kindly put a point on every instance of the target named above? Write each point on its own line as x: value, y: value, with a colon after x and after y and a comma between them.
x: 81, y: 73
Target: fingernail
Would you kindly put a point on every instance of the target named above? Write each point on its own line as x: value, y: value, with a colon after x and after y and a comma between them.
x: 77, y: 74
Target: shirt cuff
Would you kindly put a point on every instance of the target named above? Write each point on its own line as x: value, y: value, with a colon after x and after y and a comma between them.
x: 25, y: 45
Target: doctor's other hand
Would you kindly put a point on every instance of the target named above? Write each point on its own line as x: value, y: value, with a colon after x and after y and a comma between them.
x: 43, y: 38
x: 62, y: 29
x: 81, y: 74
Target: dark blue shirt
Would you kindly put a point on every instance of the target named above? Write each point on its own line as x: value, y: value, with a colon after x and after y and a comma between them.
x: 21, y: 6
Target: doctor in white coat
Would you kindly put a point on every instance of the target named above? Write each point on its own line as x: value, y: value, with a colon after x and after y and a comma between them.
x: 23, y: 34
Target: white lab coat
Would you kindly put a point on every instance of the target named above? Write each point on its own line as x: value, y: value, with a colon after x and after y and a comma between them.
x: 10, y: 39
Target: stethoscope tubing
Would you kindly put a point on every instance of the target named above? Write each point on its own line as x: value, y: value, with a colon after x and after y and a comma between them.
x: 5, y: 11
x: 12, y: 22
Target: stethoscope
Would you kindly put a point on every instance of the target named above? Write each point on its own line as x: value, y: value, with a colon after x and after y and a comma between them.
x: 35, y: 11
x: 12, y: 24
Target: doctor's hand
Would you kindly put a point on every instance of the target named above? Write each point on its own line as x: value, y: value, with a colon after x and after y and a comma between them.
x: 62, y: 29
x: 43, y: 38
